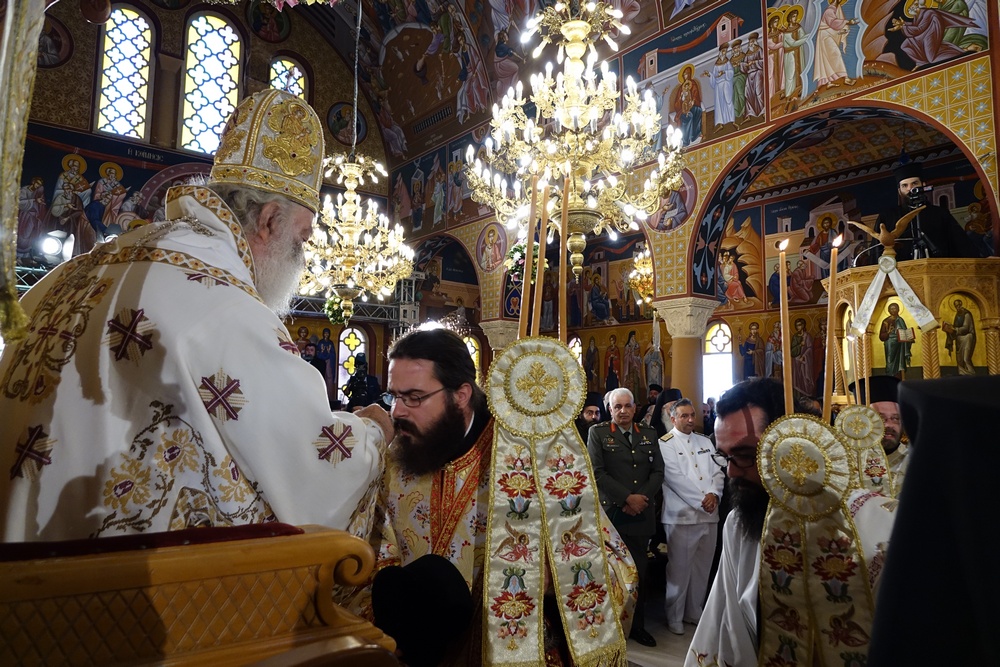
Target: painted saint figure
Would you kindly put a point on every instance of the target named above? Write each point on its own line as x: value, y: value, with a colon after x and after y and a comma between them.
x: 721, y: 78
x: 752, y: 351
x: 897, y: 353
x: 686, y: 106
x: 831, y: 40
x: 961, y: 336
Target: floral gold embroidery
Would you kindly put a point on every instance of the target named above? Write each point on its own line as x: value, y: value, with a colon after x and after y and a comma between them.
x: 537, y: 383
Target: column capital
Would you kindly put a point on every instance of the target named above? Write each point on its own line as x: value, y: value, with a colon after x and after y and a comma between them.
x: 686, y: 317
x: 500, y: 333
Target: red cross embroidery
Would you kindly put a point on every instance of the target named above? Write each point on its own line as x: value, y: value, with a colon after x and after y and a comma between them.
x: 220, y: 395
x: 28, y: 454
x: 129, y: 333
x: 337, y: 444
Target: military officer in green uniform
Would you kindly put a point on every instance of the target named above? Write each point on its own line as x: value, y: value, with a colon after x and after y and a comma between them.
x: 628, y: 469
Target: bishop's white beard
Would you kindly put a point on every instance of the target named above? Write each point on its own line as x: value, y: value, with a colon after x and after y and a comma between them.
x: 279, y: 270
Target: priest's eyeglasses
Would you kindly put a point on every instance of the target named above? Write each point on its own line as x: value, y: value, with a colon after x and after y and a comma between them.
x: 409, y: 400
x: 740, y: 460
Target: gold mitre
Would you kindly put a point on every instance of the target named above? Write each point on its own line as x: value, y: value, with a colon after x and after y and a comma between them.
x: 273, y: 142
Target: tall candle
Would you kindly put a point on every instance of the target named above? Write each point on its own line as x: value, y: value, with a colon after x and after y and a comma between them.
x: 529, y: 255
x: 536, y: 316
x: 786, y: 331
x: 831, y: 307
x: 563, y: 274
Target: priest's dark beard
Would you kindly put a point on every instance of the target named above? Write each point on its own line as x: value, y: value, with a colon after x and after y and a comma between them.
x: 750, y: 502
x: 419, y: 453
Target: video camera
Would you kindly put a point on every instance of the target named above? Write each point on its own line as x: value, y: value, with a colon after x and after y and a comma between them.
x: 919, y: 196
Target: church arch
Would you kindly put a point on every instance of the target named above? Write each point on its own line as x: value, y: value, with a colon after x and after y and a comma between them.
x: 730, y: 186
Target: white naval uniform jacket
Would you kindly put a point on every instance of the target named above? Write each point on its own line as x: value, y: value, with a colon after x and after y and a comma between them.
x: 689, y: 473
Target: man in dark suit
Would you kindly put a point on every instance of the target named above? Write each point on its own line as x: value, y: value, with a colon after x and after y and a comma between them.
x: 628, y: 469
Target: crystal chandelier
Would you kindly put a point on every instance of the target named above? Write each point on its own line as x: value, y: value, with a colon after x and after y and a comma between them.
x: 576, y: 139
x: 640, y: 280
x: 354, y: 250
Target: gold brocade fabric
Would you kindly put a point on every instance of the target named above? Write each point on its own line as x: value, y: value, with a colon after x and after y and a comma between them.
x: 273, y: 142
x: 543, y: 515
x: 861, y: 429
x: 816, y: 598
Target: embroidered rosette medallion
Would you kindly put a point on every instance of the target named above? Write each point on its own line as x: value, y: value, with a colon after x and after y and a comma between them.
x: 544, y: 519
x: 812, y: 563
x: 804, y: 466
x: 861, y: 429
x: 536, y: 387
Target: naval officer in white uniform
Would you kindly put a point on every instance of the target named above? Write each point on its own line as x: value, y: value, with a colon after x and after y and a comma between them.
x: 692, y: 488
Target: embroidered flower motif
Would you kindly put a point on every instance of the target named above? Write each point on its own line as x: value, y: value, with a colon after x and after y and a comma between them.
x: 234, y: 487
x: 512, y: 605
x: 582, y: 598
x: 570, y: 483
x: 589, y: 619
x: 176, y: 452
x: 129, y: 485
x: 835, y: 566
x: 516, y: 484
x: 560, y: 460
x: 783, y: 558
x: 477, y: 524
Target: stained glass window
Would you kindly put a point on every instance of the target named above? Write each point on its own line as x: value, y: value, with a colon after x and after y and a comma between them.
x: 472, y: 343
x: 351, y: 343
x: 211, y: 81
x: 576, y: 347
x: 124, y: 84
x: 717, y: 361
x: 287, y: 75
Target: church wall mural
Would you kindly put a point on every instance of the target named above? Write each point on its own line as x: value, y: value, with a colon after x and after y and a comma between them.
x: 89, y: 185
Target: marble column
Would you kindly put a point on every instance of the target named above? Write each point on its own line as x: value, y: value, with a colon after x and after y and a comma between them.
x: 500, y: 333
x: 687, y: 320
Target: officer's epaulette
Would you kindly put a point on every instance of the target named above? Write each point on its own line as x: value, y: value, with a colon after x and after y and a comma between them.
x: 669, y: 435
x: 701, y: 434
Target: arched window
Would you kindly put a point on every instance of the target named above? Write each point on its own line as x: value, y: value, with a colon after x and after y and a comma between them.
x: 576, y: 347
x: 475, y: 352
x: 125, y: 74
x: 351, y: 343
x: 288, y: 75
x: 717, y: 361
x: 211, y: 81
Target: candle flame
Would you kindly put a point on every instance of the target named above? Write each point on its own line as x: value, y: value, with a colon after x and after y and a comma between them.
x: 837, y: 241
x: 783, y: 245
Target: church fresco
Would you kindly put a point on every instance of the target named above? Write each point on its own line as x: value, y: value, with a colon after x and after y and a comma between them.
x: 740, y: 276
x: 707, y: 75
x: 962, y: 348
x: 418, y: 195
x: 818, y: 52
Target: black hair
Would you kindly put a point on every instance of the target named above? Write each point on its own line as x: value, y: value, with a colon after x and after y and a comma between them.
x: 453, y: 365
x: 765, y: 393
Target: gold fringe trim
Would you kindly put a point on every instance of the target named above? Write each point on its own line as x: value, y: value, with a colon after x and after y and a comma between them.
x: 13, y: 319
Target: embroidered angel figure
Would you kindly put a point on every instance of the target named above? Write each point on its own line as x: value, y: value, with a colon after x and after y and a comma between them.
x: 575, y: 543
x: 516, y: 545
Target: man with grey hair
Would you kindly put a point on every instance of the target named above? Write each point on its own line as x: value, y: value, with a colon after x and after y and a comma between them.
x: 158, y: 389
x: 628, y: 470
x: 692, y: 489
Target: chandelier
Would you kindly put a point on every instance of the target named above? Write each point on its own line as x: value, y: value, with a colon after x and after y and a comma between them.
x: 576, y: 139
x: 640, y: 280
x: 354, y: 250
